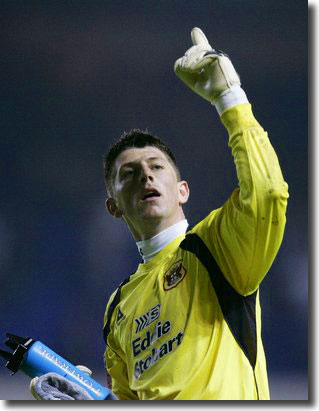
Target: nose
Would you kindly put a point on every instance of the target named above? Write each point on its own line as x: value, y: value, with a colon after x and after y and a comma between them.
x: 146, y: 175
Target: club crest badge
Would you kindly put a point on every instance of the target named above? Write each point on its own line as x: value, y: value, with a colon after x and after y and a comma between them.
x: 174, y: 275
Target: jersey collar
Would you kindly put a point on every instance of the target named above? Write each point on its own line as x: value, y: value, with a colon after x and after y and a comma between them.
x: 149, y: 248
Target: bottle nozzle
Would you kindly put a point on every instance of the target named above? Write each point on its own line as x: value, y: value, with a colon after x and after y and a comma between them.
x: 20, y: 346
x: 6, y: 355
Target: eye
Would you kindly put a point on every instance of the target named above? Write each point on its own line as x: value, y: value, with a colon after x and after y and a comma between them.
x: 157, y: 167
x: 127, y: 173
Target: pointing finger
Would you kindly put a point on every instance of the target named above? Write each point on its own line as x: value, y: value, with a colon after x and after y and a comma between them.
x: 198, y: 37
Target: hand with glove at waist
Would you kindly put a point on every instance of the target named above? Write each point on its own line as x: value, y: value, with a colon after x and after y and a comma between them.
x: 54, y: 387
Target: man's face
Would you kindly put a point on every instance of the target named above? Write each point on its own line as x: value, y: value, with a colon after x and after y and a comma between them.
x: 146, y: 190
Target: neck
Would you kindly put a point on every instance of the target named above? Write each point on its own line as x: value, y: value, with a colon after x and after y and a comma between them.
x: 148, y: 228
x: 149, y: 248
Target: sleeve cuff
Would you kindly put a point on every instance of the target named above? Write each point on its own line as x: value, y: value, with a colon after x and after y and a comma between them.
x: 230, y: 98
x: 239, y: 118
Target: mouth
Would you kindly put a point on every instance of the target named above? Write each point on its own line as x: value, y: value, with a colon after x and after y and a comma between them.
x: 150, y: 194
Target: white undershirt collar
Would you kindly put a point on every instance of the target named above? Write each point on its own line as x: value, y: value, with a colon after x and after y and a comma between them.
x: 149, y: 248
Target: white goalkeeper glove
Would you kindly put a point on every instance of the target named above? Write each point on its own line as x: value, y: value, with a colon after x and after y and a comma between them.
x: 210, y: 73
x: 52, y: 386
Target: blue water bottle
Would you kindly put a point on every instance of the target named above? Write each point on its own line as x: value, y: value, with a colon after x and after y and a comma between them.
x: 36, y: 359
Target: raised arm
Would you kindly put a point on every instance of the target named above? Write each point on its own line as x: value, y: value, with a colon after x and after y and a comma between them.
x: 245, y: 234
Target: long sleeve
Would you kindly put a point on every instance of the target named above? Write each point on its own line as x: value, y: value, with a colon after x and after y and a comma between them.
x: 117, y: 369
x: 114, y: 358
x: 246, y: 233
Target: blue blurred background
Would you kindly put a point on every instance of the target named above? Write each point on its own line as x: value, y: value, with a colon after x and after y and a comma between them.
x: 74, y: 76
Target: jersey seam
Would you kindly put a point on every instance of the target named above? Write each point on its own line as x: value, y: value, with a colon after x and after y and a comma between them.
x: 256, y: 226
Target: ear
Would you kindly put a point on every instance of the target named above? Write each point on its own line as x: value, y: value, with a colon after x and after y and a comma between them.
x: 111, y: 206
x: 183, y: 192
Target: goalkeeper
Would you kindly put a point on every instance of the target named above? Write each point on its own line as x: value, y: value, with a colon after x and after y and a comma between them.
x: 187, y: 324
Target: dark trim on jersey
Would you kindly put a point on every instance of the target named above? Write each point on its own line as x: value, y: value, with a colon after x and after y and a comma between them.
x: 114, y: 303
x: 256, y: 385
x: 238, y: 311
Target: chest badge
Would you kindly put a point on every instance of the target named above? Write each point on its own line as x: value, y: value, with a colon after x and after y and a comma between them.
x: 174, y: 275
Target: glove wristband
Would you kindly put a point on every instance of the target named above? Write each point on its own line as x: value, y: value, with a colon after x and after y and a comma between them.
x: 230, y: 98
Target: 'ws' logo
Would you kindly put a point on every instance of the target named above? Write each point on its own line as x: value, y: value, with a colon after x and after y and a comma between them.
x: 148, y: 318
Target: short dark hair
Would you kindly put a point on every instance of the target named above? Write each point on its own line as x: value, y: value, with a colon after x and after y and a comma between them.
x: 134, y: 138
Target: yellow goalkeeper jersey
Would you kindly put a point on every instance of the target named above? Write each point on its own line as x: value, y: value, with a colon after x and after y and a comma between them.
x: 187, y: 324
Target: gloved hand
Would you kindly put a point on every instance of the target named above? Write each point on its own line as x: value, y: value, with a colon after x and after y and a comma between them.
x: 209, y: 72
x: 52, y: 386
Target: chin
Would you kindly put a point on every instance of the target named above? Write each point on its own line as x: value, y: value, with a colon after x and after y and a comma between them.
x: 153, y: 214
